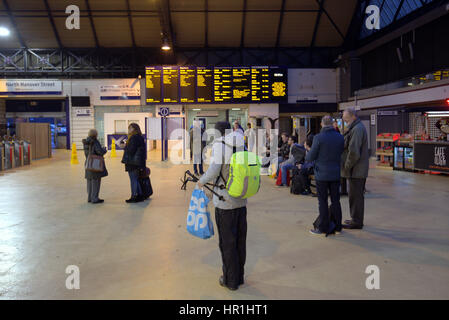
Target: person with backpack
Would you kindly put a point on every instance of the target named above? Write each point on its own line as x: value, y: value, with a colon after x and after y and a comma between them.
x: 231, y: 212
x: 92, y: 146
x: 134, y: 158
x: 326, y: 152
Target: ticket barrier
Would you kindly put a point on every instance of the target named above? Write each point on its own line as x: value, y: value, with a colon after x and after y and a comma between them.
x: 9, y: 155
x: 18, y: 153
x: 26, y: 153
x: 2, y: 156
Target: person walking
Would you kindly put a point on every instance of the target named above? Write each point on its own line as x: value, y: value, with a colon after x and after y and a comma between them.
x: 326, y: 151
x: 355, y: 166
x: 91, y: 145
x: 230, y: 214
x: 134, y: 158
x: 197, y: 145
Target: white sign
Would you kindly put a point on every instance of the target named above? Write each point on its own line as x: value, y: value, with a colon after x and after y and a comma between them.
x: 124, y: 91
x: 373, y: 119
x: 373, y: 20
x: 84, y: 112
x: 24, y: 86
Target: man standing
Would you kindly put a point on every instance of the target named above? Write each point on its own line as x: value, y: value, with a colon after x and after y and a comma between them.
x: 230, y: 214
x: 355, y: 165
x: 326, y: 151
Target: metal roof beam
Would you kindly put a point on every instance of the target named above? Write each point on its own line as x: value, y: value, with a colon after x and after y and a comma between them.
x: 206, y: 24
x: 94, y: 31
x: 242, y: 37
x: 130, y: 20
x: 281, y: 19
x: 398, y: 10
x: 332, y: 21
x: 14, y: 24
x: 317, y: 22
x: 165, y: 21
x: 53, y: 25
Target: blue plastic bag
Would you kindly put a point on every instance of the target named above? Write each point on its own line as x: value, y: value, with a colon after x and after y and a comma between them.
x: 199, y: 222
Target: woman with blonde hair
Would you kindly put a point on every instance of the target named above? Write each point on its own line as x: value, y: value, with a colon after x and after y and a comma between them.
x: 93, y: 146
x: 134, y: 158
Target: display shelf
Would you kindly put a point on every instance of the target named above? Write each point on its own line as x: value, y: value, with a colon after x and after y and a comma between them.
x: 385, y: 156
x: 384, y: 140
x: 388, y: 154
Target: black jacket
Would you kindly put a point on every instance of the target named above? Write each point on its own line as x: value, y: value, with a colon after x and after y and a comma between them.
x: 284, y: 150
x: 97, y: 150
x: 135, y: 154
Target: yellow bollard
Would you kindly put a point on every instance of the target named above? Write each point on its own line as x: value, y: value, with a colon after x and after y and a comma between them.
x: 113, y: 153
x: 74, y: 159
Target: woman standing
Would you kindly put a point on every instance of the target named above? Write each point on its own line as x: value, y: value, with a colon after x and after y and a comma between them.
x: 134, y: 158
x: 92, y: 146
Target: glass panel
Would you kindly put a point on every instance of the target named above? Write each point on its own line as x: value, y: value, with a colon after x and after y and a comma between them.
x: 121, y: 127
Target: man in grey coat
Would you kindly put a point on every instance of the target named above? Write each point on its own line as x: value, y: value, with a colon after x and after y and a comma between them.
x: 355, y: 165
x: 230, y: 214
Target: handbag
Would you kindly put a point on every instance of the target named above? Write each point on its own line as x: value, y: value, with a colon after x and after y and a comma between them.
x: 144, y: 173
x: 199, y: 223
x: 94, y: 163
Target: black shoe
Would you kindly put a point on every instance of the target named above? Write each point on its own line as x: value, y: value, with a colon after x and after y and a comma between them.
x: 98, y: 201
x: 343, y: 194
x: 140, y: 199
x: 351, y: 226
x: 347, y: 222
x: 89, y: 201
x: 221, y: 281
x: 132, y: 200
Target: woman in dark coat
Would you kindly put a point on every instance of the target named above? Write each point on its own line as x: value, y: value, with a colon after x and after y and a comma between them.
x: 134, y: 158
x: 91, y: 144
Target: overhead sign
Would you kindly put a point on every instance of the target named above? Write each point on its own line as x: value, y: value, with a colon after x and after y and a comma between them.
x: 124, y: 91
x: 30, y: 87
x: 165, y: 112
x: 83, y: 112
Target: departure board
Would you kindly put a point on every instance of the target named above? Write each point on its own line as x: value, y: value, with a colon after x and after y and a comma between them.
x: 153, y: 88
x: 278, y: 83
x: 187, y: 78
x: 205, y: 84
x: 176, y: 84
x: 171, y: 84
x: 260, y: 84
x: 222, y: 84
x: 241, y: 85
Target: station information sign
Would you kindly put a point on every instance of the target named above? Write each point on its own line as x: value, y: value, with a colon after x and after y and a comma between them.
x: 153, y: 87
x: 187, y: 79
x: 173, y: 84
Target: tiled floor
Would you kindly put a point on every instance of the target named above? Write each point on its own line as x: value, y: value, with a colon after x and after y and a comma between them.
x: 142, y: 251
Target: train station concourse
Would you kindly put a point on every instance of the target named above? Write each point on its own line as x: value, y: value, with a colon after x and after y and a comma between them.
x: 227, y: 156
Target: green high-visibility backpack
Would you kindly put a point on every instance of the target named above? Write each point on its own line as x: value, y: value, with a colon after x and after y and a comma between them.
x: 244, y: 175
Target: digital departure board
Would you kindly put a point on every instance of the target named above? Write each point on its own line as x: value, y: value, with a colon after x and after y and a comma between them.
x: 173, y: 84
x: 278, y: 83
x: 187, y: 79
x: 153, y: 88
x: 260, y: 84
x: 170, y: 84
x: 205, y: 84
x: 222, y: 84
x: 241, y: 84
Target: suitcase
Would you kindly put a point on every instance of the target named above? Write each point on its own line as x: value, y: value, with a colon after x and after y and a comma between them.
x: 145, y: 185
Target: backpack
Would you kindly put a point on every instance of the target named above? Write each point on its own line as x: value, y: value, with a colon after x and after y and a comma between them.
x: 296, y: 186
x: 244, y: 174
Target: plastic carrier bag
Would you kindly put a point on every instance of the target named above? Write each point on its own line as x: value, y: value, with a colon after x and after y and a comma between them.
x: 199, y: 222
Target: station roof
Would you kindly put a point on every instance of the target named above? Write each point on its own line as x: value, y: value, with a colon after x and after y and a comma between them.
x: 192, y: 23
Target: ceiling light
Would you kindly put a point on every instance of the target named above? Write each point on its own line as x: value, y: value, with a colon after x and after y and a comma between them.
x: 236, y: 109
x: 4, y: 32
x: 196, y: 109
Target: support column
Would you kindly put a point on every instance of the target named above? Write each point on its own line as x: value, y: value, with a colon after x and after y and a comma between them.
x: 2, y: 117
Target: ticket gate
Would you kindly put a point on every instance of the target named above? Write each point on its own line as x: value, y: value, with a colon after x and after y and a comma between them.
x: 18, y: 153
x: 9, y: 155
x: 26, y: 153
x: 2, y: 156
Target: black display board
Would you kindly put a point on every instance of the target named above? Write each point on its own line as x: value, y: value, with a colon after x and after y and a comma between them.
x: 432, y: 156
x: 173, y: 84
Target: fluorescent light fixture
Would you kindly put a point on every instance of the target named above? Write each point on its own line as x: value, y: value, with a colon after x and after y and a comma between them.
x: 438, y: 115
x: 196, y: 109
x: 236, y: 109
x: 439, y: 112
x: 166, y: 47
x: 4, y: 32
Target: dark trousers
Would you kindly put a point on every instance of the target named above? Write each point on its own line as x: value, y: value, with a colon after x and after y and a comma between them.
x: 232, y: 227
x: 136, y: 190
x: 93, y: 189
x: 195, y: 167
x: 344, y: 189
x: 357, y: 200
x: 304, y: 175
x: 324, y: 188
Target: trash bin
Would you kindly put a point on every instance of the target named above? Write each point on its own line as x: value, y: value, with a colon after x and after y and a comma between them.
x: 2, y: 156
x: 9, y: 155
x: 18, y: 153
x: 26, y: 153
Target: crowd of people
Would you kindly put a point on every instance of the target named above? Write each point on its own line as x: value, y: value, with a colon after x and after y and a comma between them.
x: 328, y: 156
